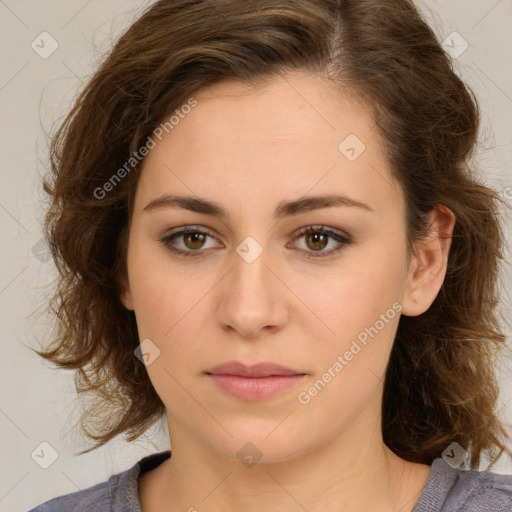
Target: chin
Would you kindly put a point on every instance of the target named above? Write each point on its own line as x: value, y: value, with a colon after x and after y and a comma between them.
x: 252, y: 444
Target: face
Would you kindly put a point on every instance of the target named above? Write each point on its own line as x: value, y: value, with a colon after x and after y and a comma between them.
x: 253, y: 285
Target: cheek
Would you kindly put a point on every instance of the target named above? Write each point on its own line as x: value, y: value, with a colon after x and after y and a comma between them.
x: 354, y: 296
x: 362, y: 312
x: 170, y: 305
x: 357, y: 308
x: 167, y: 308
x: 160, y: 295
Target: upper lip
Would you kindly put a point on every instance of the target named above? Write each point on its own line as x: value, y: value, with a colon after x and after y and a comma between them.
x: 264, y: 369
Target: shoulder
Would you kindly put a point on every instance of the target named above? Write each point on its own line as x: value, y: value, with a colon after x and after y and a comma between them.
x: 452, y: 490
x: 117, y: 494
x: 92, y: 498
x: 483, y: 490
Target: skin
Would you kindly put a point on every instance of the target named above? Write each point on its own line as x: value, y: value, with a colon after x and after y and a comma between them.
x: 248, y: 149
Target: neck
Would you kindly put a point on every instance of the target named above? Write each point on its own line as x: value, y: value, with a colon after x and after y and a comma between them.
x: 352, y: 472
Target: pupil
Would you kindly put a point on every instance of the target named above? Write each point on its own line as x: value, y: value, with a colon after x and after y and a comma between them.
x: 319, y: 238
x: 195, y: 237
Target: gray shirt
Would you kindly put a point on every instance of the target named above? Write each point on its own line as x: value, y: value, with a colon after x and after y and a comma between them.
x: 447, y: 490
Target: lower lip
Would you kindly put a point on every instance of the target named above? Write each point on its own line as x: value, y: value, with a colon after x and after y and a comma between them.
x: 254, y: 389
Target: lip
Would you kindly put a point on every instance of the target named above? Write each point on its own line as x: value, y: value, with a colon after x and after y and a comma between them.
x: 264, y: 369
x: 256, y: 382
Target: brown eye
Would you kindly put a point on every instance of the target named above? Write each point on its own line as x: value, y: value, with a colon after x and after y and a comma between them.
x: 188, y: 241
x: 317, y: 238
x: 194, y: 239
x: 316, y: 241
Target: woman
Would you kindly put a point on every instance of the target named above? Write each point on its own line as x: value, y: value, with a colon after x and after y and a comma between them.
x: 267, y: 232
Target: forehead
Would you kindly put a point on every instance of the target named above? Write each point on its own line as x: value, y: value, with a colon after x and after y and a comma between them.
x: 282, y: 138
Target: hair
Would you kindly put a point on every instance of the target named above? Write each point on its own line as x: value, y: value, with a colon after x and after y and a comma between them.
x: 440, y: 386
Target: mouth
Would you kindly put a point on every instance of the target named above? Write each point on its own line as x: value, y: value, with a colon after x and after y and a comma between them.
x: 256, y: 382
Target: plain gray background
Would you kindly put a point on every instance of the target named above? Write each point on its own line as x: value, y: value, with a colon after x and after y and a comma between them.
x: 37, y: 403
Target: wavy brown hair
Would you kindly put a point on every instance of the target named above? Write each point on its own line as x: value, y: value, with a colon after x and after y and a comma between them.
x: 440, y: 386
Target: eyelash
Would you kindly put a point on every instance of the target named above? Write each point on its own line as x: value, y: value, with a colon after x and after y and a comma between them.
x: 343, y: 240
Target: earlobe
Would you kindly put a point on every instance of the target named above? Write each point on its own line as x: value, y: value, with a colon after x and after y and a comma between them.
x: 126, y: 299
x: 427, y: 268
x: 125, y: 295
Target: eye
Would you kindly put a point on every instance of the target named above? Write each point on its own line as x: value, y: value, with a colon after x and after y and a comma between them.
x: 316, y: 238
x: 193, y: 239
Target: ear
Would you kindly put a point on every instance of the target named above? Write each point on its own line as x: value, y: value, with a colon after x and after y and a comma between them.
x: 427, y: 267
x: 125, y: 294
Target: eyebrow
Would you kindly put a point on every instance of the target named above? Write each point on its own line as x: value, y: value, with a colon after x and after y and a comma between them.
x: 283, y: 209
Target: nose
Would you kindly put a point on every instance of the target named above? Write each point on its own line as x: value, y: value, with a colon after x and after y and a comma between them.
x: 253, y: 298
